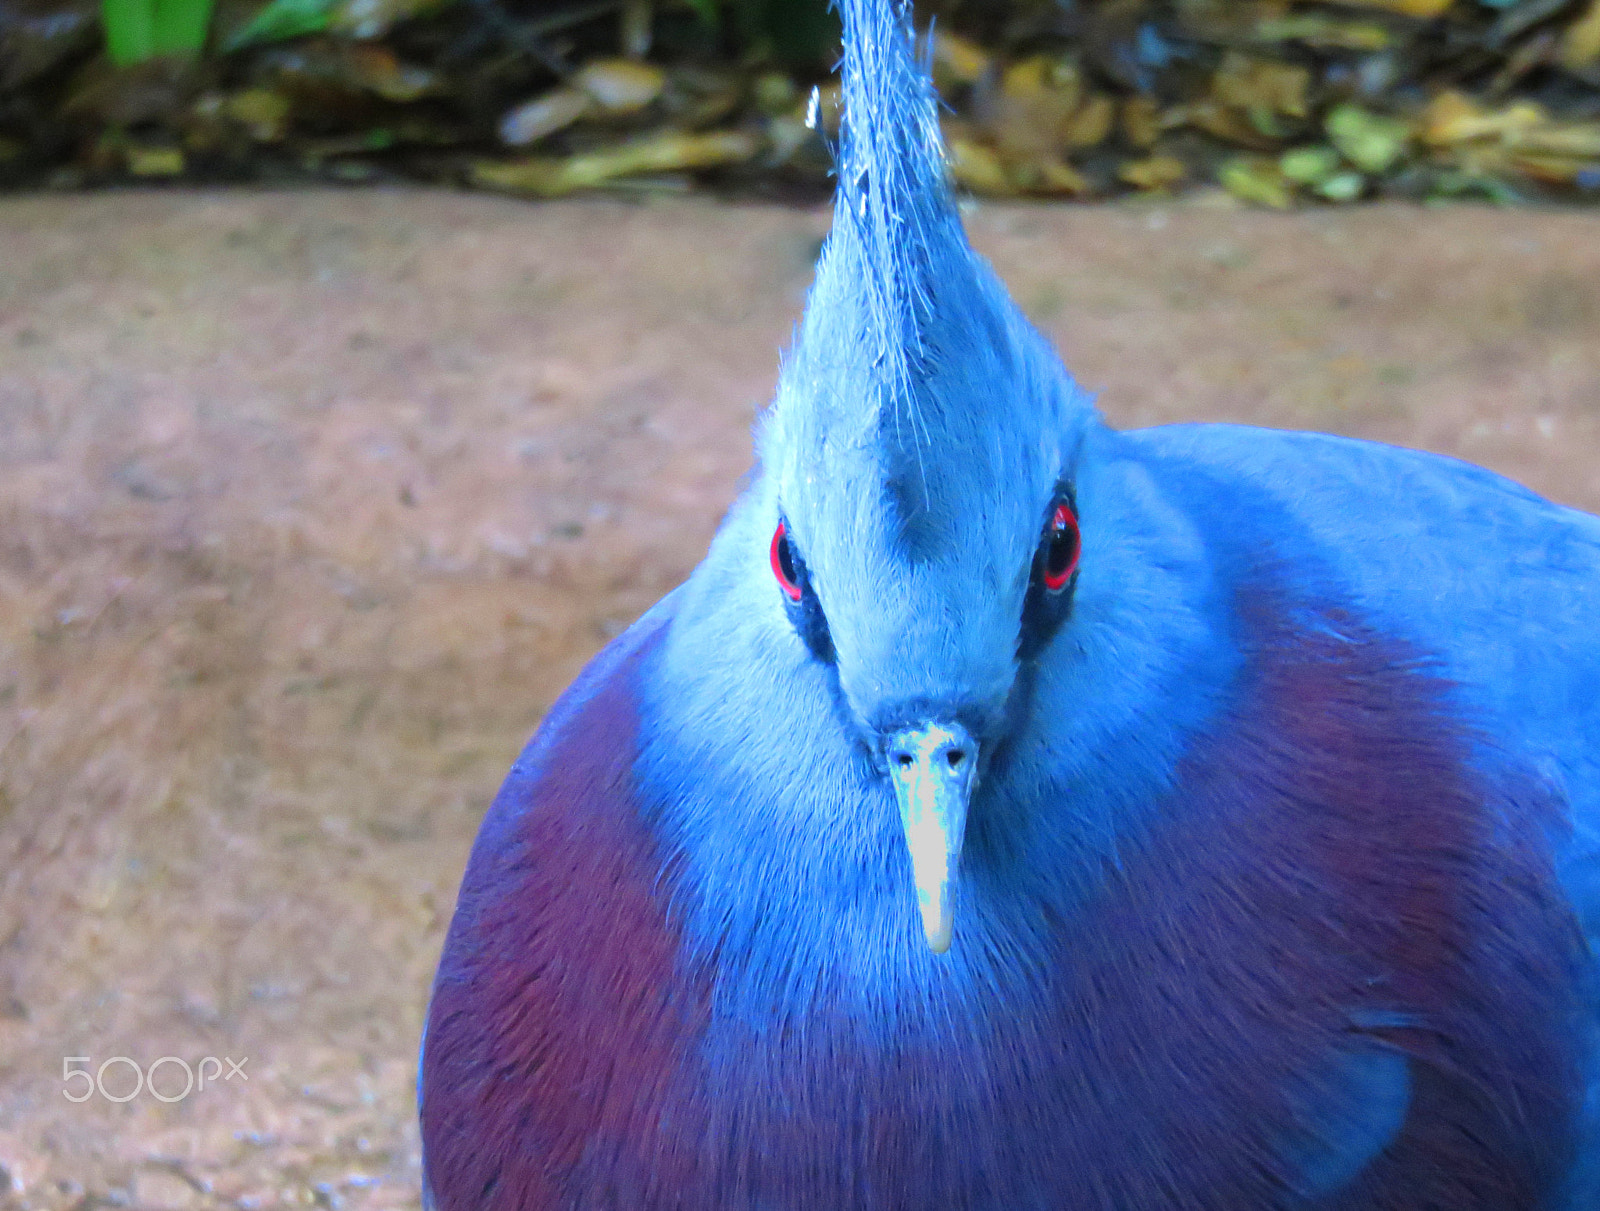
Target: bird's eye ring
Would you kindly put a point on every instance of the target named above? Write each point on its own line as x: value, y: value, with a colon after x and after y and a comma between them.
x: 1061, y: 548
x: 783, y: 564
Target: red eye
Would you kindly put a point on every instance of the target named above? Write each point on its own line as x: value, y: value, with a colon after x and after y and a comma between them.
x: 1060, y: 549
x: 783, y: 563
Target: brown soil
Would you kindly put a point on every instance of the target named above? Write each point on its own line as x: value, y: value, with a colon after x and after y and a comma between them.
x: 310, y: 505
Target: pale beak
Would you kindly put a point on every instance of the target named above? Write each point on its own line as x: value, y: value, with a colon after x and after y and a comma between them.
x: 932, y: 767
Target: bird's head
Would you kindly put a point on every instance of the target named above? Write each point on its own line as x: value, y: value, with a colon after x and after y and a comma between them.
x: 923, y: 535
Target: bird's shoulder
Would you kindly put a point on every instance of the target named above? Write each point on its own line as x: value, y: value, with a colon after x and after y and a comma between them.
x: 1499, y: 586
x: 1356, y: 491
x: 556, y: 990
x: 1495, y: 582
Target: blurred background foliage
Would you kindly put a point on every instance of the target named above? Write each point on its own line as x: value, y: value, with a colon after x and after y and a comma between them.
x: 1276, y: 102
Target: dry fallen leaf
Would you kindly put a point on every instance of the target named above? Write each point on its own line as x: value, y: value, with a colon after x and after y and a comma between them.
x: 1554, y: 169
x: 621, y: 86
x: 1408, y: 8
x: 1153, y: 172
x: 543, y: 116
x: 977, y: 167
x: 155, y: 161
x: 261, y: 111
x: 379, y: 71
x: 1580, y: 46
x: 1246, y: 82
x: 1092, y: 123
x: 1048, y: 177
x: 1031, y: 113
x: 670, y: 152
x: 957, y: 60
x: 1453, y: 117
x: 1223, y: 122
x: 1323, y: 31
x: 1141, y: 121
x: 1257, y: 179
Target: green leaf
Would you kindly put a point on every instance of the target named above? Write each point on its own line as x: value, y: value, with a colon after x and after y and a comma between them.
x: 1309, y: 165
x: 1257, y: 179
x: 708, y: 11
x: 1451, y: 185
x: 1343, y: 186
x: 130, y: 30
x: 282, y: 19
x: 1372, y: 142
x: 181, y: 26
x: 137, y: 30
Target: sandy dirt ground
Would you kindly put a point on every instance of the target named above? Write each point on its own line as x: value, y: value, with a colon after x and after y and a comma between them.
x: 311, y: 504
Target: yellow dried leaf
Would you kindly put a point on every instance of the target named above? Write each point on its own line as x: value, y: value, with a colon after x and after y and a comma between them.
x: 1452, y: 118
x: 1246, y: 82
x: 1092, y: 123
x: 376, y: 69
x: 1042, y: 73
x: 1224, y: 122
x: 670, y: 152
x: 775, y: 93
x: 621, y: 86
x: 261, y: 111
x: 1061, y: 177
x: 1030, y: 114
x: 1048, y: 177
x: 1153, y: 172
x: 1408, y: 8
x: 1315, y: 29
x: 956, y: 60
x: 155, y: 161
x: 1141, y: 121
x: 1481, y: 160
x: 977, y: 167
x: 1444, y: 116
x: 1580, y: 46
x: 1025, y: 76
x: 1576, y: 139
x: 1553, y: 169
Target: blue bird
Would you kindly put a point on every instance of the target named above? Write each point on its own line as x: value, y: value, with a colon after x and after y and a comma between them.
x: 1012, y: 814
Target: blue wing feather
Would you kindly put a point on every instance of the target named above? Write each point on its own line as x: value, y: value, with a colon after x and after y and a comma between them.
x: 1502, y: 584
x: 1346, y: 1116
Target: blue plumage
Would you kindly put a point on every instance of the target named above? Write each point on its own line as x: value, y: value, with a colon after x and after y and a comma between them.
x: 1011, y: 813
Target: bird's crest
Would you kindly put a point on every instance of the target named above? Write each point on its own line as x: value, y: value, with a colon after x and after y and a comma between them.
x: 893, y: 208
x: 910, y: 350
